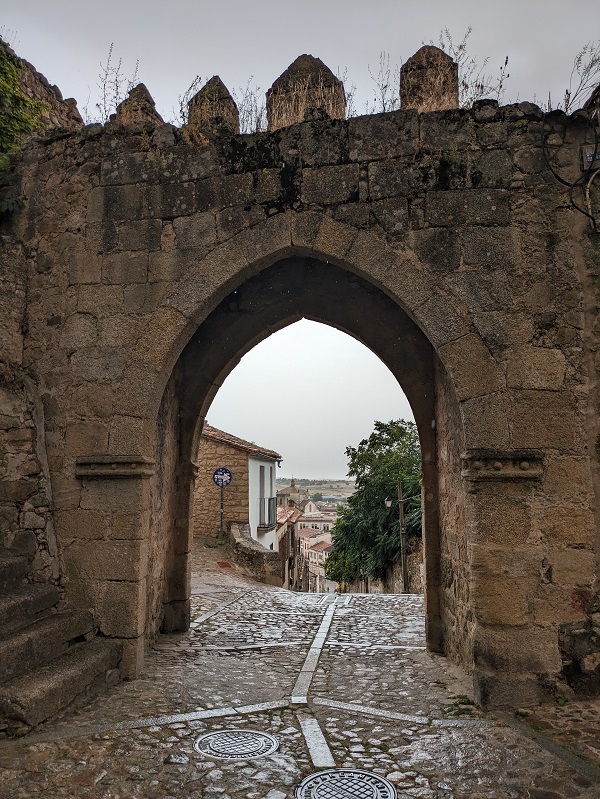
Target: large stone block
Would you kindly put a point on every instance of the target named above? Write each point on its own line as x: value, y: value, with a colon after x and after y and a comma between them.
x: 127, y: 434
x: 79, y: 330
x: 474, y: 207
x: 123, y: 525
x: 329, y: 185
x: 324, y: 142
x: 447, y: 130
x: 535, y: 368
x: 136, y: 234
x: 117, y: 203
x: 489, y: 248
x: 170, y: 200
x: 568, y: 476
x: 439, y: 319
x: 472, y: 369
x: 197, y: 230
x: 99, y: 300
x: 531, y: 648
x: 224, y: 192
x: 503, y: 580
x: 161, y: 337
x: 481, y: 292
x: 383, y: 135
x: 124, y: 560
x: 566, y: 525
x: 84, y: 267
x: 99, y: 363
x: 436, y: 248
x: 132, y: 663
x: 395, y: 178
x: 94, y: 399
x: 501, y: 513
x: 553, y: 604
x: 80, y: 523
x: 119, y: 608
x: 492, y: 168
x: 115, y: 495
x: 86, y: 437
x: 180, y: 584
x: 334, y: 238
x: 125, y: 267
x: 498, y: 690
x: 485, y: 421
x: 541, y: 419
x: 572, y: 567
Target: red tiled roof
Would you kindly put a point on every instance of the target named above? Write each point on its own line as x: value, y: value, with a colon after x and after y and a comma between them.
x: 287, y: 514
x: 214, y: 434
x: 308, y: 532
x: 322, y: 546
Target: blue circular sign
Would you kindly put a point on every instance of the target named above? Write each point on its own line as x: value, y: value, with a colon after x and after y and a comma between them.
x: 222, y: 477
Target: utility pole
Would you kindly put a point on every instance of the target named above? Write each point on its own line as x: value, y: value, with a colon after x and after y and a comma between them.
x: 402, y: 540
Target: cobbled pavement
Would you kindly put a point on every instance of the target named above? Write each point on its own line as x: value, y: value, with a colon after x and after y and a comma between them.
x: 341, y: 681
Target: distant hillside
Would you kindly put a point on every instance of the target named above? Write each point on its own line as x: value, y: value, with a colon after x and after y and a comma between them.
x: 325, y: 486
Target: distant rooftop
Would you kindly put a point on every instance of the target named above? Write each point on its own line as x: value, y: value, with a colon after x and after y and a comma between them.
x: 213, y: 434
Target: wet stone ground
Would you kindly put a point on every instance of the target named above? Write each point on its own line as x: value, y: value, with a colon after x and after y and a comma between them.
x: 340, y: 681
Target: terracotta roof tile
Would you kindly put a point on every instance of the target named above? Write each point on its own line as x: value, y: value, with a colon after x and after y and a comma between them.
x: 214, y: 434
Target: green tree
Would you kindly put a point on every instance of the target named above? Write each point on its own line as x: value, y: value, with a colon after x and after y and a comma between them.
x: 317, y: 497
x: 366, y: 536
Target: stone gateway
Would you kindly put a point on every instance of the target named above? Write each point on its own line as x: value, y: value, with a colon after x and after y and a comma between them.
x: 145, y: 260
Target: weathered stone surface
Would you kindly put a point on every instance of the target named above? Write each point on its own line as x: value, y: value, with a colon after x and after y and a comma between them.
x: 107, y: 560
x: 212, y: 109
x: 138, y: 108
x: 145, y: 262
x: 33, y: 698
x: 543, y: 419
x: 536, y: 368
x: 305, y: 85
x: 471, y: 367
x: 429, y: 81
x: 475, y: 207
x: 330, y: 185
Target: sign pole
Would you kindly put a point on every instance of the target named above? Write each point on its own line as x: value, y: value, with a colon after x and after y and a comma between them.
x: 221, y: 478
x: 222, y: 531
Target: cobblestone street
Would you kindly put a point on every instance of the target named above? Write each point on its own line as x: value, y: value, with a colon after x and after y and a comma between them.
x: 340, y: 681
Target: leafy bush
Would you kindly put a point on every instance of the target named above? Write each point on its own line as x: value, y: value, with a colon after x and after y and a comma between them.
x: 19, y: 114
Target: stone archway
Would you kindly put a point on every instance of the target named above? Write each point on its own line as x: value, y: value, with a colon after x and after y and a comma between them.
x: 293, y: 288
x: 130, y: 241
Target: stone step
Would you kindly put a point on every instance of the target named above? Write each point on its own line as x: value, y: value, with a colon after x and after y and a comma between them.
x: 12, y: 571
x: 41, y: 642
x: 75, y: 676
x: 26, y: 604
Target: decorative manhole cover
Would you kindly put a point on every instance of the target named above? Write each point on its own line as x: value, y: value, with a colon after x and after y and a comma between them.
x: 345, y: 783
x: 236, y: 744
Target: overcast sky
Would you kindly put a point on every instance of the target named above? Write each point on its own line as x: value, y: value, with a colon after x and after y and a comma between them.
x: 327, y: 388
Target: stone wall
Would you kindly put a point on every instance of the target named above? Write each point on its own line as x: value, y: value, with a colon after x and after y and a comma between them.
x: 58, y: 113
x: 26, y: 520
x: 207, y: 496
x: 456, y: 619
x: 393, y: 582
x: 436, y: 236
x: 262, y: 563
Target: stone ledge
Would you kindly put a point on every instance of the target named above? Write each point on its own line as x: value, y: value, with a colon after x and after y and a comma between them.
x: 113, y: 467
x: 488, y: 464
x: 265, y: 564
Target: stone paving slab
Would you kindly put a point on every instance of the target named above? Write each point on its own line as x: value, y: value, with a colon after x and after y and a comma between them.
x: 344, y: 685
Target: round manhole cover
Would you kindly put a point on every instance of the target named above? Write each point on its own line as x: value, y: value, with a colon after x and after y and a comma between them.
x: 236, y: 744
x: 345, y: 783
